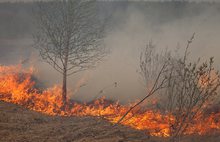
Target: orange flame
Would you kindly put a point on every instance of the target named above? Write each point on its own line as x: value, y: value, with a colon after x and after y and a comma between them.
x: 17, y: 86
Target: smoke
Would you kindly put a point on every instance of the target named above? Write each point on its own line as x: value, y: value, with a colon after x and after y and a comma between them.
x: 135, y: 28
x: 133, y: 25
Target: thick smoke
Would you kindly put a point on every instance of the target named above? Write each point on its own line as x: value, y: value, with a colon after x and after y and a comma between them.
x: 132, y: 26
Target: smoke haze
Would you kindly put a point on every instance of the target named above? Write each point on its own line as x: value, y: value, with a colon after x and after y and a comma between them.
x: 132, y: 26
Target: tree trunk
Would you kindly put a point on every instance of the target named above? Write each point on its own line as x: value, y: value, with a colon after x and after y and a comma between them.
x: 64, y: 88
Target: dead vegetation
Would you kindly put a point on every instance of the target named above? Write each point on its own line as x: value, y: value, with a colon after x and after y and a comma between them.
x: 188, y: 87
x: 18, y: 124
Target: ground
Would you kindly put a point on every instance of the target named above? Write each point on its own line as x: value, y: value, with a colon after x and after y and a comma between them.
x: 18, y: 124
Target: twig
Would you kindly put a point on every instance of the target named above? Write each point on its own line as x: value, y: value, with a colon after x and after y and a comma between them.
x: 154, y: 89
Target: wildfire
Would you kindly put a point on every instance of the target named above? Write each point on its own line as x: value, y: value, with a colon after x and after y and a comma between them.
x: 17, y: 86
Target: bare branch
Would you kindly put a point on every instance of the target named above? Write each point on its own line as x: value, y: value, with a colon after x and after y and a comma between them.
x: 69, y: 35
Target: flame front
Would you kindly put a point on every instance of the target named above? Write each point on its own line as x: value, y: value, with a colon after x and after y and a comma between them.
x: 17, y: 86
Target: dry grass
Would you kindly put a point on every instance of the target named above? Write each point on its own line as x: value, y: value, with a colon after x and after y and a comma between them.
x: 18, y: 124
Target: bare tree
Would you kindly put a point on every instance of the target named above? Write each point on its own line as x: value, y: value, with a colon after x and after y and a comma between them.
x: 69, y: 36
x: 191, y: 86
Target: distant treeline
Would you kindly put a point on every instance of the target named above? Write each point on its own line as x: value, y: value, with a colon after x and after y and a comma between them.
x: 16, y: 19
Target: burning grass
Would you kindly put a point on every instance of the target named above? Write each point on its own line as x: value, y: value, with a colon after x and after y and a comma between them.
x: 17, y: 86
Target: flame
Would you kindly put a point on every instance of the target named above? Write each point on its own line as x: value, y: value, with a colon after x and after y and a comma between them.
x: 17, y: 86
